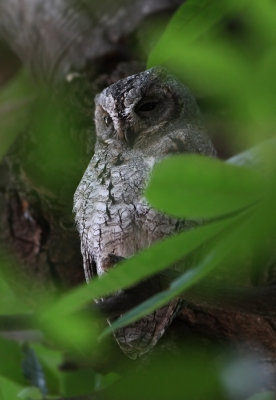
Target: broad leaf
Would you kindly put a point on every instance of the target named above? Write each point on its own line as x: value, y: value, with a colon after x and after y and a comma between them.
x: 202, y: 187
x: 30, y: 393
x: 237, y: 76
x: 74, y: 331
x: 11, y: 357
x: 9, y: 389
x: 10, y: 303
x: 227, y: 248
x: 150, y: 261
x: 193, y: 19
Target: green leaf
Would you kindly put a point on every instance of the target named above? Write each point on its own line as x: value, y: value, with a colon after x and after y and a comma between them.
x: 229, y: 249
x: 30, y: 393
x: 77, y: 383
x: 67, y: 383
x: 9, y: 389
x: 236, y: 74
x: 202, y: 187
x: 209, y: 261
x: 150, y: 261
x: 190, y: 374
x: 9, y: 302
x: 55, y: 149
x: 76, y: 332
x: 51, y: 360
x: 193, y: 19
x: 211, y: 66
x: 261, y: 16
x: 11, y: 357
x: 103, y: 381
x: 225, y: 76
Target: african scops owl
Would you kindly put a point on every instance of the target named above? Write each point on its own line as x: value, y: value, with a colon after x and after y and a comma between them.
x: 139, y: 120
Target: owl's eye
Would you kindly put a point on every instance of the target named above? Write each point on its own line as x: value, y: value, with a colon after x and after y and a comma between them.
x: 147, y: 106
x: 107, y: 120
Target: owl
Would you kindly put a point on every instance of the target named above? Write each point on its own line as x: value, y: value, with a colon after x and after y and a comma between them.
x: 139, y: 120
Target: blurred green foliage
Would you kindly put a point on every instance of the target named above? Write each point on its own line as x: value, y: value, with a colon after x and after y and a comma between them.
x: 233, y: 68
x: 212, y: 188
x: 51, y: 155
x: 15, y: 99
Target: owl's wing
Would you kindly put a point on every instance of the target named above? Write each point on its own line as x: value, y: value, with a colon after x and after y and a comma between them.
x: 141, y: 336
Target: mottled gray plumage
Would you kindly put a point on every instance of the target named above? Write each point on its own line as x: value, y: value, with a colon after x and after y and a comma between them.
x: 139, y: 120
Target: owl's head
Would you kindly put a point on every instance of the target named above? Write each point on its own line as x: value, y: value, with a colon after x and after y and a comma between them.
x: 139, y: 110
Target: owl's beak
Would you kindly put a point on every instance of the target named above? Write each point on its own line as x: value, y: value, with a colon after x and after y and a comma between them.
x: 130, y: 136
x: 127, y: 134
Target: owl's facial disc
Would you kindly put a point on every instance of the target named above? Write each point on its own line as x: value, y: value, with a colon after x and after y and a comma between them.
x: 136, y: 110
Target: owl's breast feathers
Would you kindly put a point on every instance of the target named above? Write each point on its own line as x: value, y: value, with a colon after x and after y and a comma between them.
x: 112, y: 215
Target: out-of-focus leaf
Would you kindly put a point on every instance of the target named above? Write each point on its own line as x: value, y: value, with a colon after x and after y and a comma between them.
x: 30, y: 393
x: 231, y: 248
x: 192, y: 374
x: 67, y: 383
x: 11, y: 357
x: 9, y: 302
x: 150, y: 261
x: 262, y: 14
x: 210, y: 259
x: 77, y: 383
x: 16, y: 290
x: 202, y: 187
x: 15, y: 100
x: 74, y: 331
x: 192, y: 20
x: 51, y: 360
x: 9, y: 389
x: 55, y: 159
x: 222, y: 75
x: 262, y: 107
x: 211, y: 67
x: 84, y: 382
x: 33, y: 370
x: 103, y: 381
x: 238, y: 75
